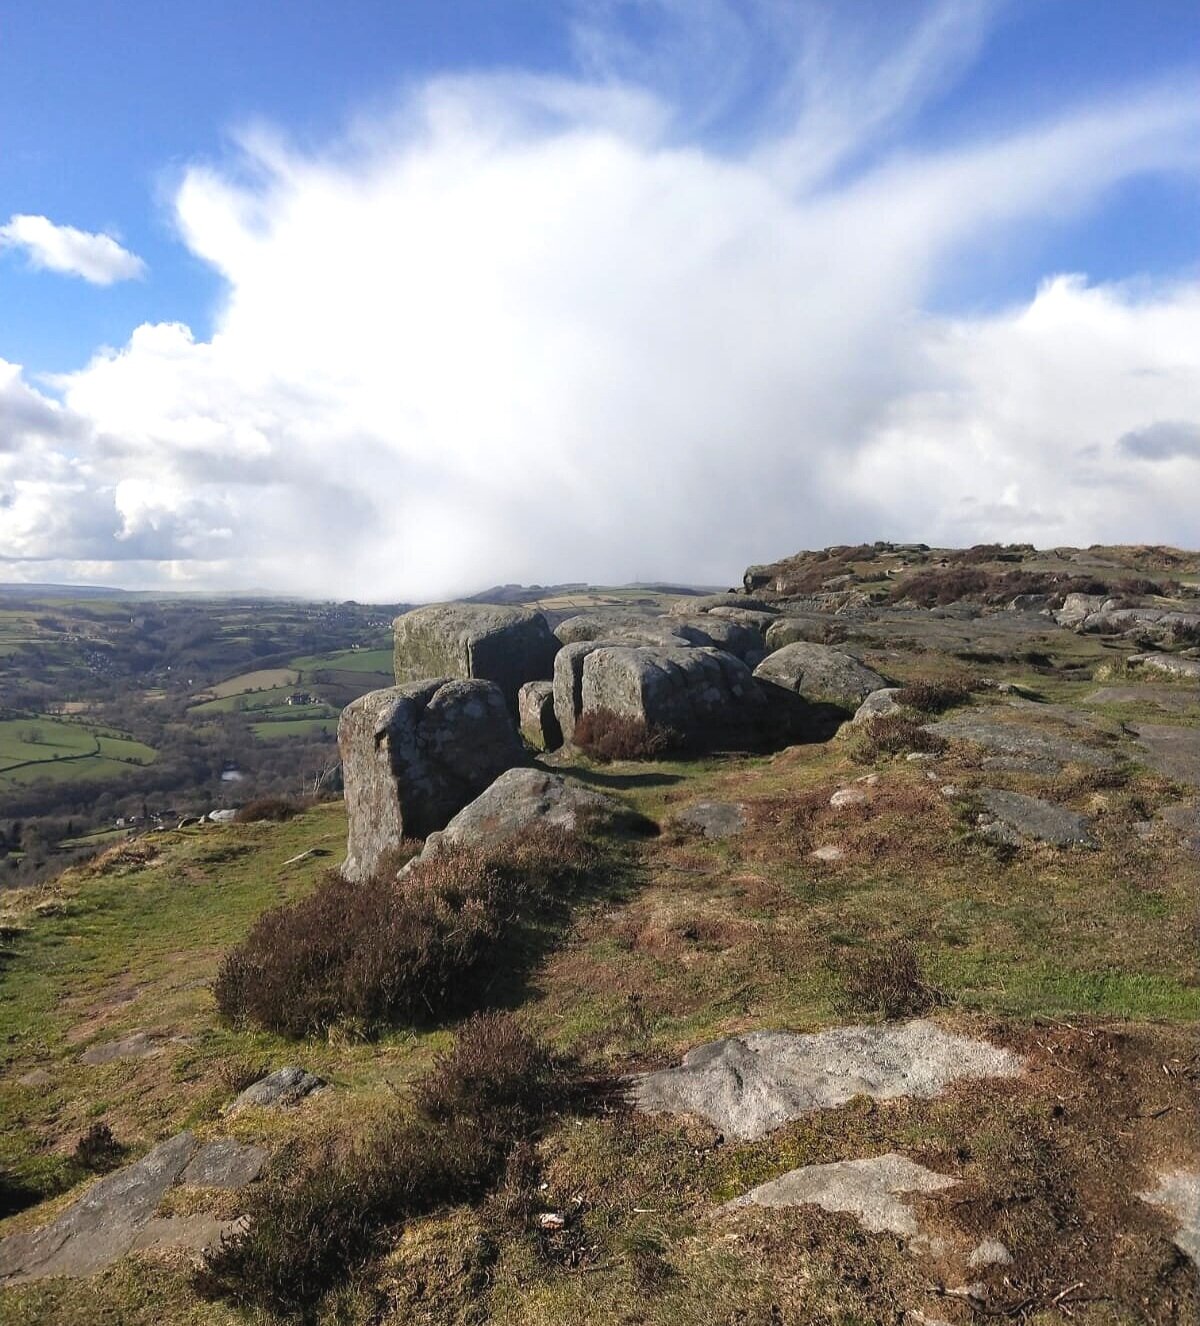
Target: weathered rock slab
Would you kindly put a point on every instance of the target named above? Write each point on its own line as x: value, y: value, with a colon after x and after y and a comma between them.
x: 137, y: 1045
x: 1047, y: 751
x: 1031, y: 817
x: 1173, y: 751
x: 879, y: 704
x: 704, y: 695
x: 225, y: 1163
x: 413, y: 756
x: 749, y: 1085
x: 103, y: 1224
x: 1173, y: 665
x: 873, y: 1190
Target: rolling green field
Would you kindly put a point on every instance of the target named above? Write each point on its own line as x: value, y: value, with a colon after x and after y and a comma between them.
x: 37, y: 747
x: 348, y: 660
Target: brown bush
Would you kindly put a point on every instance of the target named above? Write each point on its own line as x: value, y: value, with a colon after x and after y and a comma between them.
x: 386, y: 951
x: 274, y: 809
x: 311, y: 1228
x: 889, y: 982
x: 98, y: 1150
x: 893, y: 734
x: 606, y: 735
x: 932, y: 697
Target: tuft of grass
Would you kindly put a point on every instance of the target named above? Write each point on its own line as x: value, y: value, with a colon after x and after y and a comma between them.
x: 889, y: 982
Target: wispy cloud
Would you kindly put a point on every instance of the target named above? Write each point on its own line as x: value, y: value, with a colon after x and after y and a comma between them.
x: 98, y: 259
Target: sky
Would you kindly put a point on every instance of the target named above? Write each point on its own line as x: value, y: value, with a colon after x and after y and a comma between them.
x: 395, y: 301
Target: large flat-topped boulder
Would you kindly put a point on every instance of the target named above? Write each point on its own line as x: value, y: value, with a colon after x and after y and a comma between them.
x: 819, y: 674
x: 413, y: 756
x: 509, y: 646
x: 630, y: 628
x: 705, y: 695
x: 737, y: 638
x: 749, y: 1085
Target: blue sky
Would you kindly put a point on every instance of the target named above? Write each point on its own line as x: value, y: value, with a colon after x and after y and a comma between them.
x: 165, y: 126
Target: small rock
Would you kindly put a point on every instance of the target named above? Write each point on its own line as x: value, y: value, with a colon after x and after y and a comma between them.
x: 878, y: 704
x: 552, y: 1220
x: 847, y: 796
x: 829, y: 852
x: 221, y: 816
x: 280, y: 1089
x: 989, y: 1252
x: 36, y: 1077
x: 714, y: 819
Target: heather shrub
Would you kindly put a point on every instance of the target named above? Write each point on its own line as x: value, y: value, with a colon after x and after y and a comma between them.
x: 932, y: 697
x: 274, y: 809
x: 391, y: 951
x: 889, y: 982
x: 606, y: 735
x: 893, y: 734
x: 98, y: 1150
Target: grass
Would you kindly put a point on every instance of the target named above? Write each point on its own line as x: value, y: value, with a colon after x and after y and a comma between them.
x: 281, y: 728
x: 348, y: 660
x: 264, y: 679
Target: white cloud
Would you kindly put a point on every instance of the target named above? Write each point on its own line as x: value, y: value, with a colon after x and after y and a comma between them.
x: 527, y: 330
x: 98, y: 259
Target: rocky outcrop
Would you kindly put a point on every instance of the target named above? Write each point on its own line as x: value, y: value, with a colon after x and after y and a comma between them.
x: 704, y: 695
x: 736, y: 638
x: 1173, y: 665
x: 535, y: 714
x: 413, y: 756
x: 508, y: 646
x: 278, y: 1090
x: 819, y: 674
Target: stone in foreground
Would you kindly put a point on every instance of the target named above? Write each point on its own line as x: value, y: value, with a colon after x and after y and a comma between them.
x: 1179, y: 1193
x: 535, y: 714
x: 872, y: 1190
x: 522, y: 799
x: 819, y: 674
x: 413, y: 756
x: 879, y: 704
x: 1173, y: 751
x: 1019, y: 742
x: 509, y: 646
x: 749, y: 1085
x: 1031, y: 817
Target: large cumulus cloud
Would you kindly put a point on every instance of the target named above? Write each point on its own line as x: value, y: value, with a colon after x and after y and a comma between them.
x: 531, y: 329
